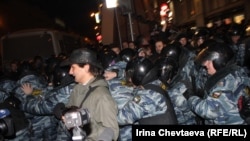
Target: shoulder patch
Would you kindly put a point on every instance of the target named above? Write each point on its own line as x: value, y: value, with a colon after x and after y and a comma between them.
x: 137, y: 99
x: 247, y: 90
x: 216, y: 94
x: 163, y: 86
x: 123, y: 82
x: 36, y: 92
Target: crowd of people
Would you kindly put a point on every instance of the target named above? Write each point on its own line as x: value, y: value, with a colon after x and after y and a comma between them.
x: 198, y: 78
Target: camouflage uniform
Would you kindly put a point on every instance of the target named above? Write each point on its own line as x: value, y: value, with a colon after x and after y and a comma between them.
x: 134, y: 104
x: 191, y: 73
x: 7, y: 86
x: 46, y: 105
x: 50, y: 99
x: 120, y: 69
x: 220, y: 103
x: 43, y: 126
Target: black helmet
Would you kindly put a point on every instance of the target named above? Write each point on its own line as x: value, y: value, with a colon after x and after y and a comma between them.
x: 61, y: 76
x: 172, y: 50
x: 127, y: 54
x: 167, y: 68
x: 141, y: 71
x: 219, y: 53
x: 108, y: 58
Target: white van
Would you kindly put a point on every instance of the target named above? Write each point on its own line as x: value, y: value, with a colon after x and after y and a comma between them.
x: 25, y: 44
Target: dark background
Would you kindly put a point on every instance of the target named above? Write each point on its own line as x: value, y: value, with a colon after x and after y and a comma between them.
x: 24, y: 14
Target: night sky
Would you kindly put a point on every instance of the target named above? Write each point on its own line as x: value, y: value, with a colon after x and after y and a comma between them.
x: 27, y: 13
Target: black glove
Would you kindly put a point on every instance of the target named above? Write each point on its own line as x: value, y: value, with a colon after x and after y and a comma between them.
x: 189, y: 92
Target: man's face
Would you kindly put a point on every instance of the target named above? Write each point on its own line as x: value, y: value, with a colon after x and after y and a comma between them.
x: 200, y: 41
x: 78, y: 72
x: 183, y: 41
x: 125, y: 44
x: 159, y: 46
x: 208, y: 64
x: 131, y: 45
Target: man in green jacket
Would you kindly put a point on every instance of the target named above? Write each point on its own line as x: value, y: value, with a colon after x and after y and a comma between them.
x: 92, y: 93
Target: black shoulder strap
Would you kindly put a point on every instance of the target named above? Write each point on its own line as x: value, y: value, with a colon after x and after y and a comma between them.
x: 167, y: 118
x: 155, y: 88
x: 219, y: 75
x: 91, y: 89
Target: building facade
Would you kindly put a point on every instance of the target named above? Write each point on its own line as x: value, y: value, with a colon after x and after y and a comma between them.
x: 142, y: 17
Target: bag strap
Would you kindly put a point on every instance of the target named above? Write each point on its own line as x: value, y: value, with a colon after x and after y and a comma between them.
x: 91, y: 89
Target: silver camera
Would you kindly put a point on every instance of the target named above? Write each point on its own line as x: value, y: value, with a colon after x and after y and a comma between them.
x: 76, y: 118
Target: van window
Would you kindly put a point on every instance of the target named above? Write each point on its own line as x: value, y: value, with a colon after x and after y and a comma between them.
x: 25, y: 47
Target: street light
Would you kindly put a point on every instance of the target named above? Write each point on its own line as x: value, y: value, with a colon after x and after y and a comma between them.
x: 114, y: 4
x: 126, y: 8
x: 111, y: 3
x: 97, y: 17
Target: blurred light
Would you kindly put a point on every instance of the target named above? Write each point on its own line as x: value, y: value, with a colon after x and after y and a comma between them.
x: 96, y: 27
x: 228, y: 21
x: 99, y: 38
x: 163, y: 22
x: 97, y: 17
x: 164, y: 6
x: 164, y: 9
x: 92, y: 14
x: 170, y: 14
x: 86, y: 39
x: 193, y: 28
x: 248, y: 31
x: 210, y: 24
x: 238, y: 18
x: 111, y: 3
